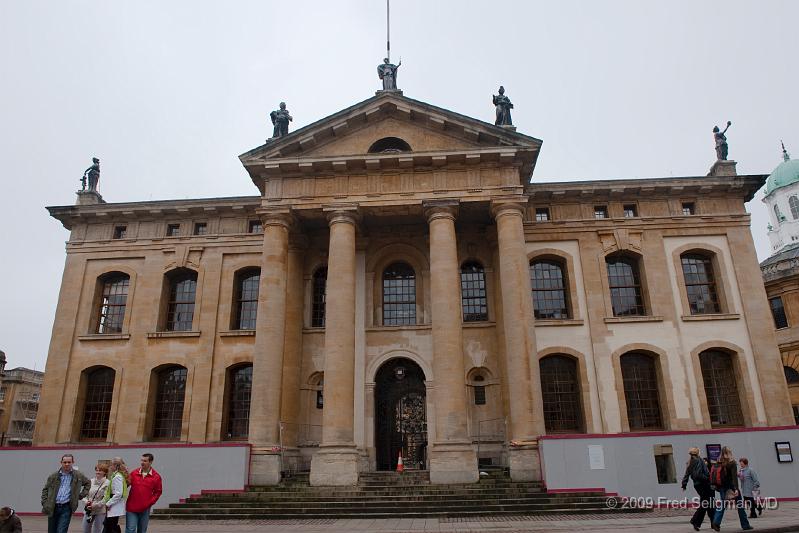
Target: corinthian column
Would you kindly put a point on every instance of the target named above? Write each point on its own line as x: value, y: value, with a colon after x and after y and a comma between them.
x: 525, y: 417
x: 270, y: 336
x: 336, y: 462
x: 452, y: 458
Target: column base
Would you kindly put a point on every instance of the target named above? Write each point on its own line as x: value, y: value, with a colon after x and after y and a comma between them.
x: 525, y: 464
x: 335, y: 466
x: 453, y: 463
x: 264, y: 467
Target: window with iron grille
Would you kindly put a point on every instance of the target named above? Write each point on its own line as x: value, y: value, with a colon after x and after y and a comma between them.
x: 560, y: 388
x: 247, y: 284
x: 120, y: 232
x: 112, y: 303
x: 624, y: 281
x: 630, y: 211
x: 399, y: 295
x: 180, y: 308
x: 479, y: 391
x: 200, y: 228
x: 238, y: 401
x: 318, y: 298
x: 600, y: 211
x: 473, y: 292
x: 688, y: 208
x: 778, y: 312
x: 721, y: 389
x: 550, y: 295
x: 700, y: 284
x: 172, y: 230
x: 169, y: 397
x: 97, y: 406
x: 791, y: 375
x: 255, y: 226
x: 541, y: 214
x: 641, y: 391
x: 793, y: 203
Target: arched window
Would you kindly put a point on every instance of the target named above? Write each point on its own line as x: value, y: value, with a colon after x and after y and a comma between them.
x: 641, y: 391
x: 550, y: 296
x: 399, y: 295
x: 700, y: 284
x: 479, y: 390
x: 721, y: 388
x: 389, y: 145
x: 318, y: 305
x: 113, y: 300
x: 473, y: 292
x: 560, y: 388
x: 97, y: 406
x: 320, y: 392
x: 180, y: 307
x: 791, y: 375
x: 170, y: 393
x: 247, y: 283
x: 793, y: 203
x: 239, y: 389
x: 624, y: 280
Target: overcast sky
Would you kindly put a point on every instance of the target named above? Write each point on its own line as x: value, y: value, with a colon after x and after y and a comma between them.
x: 168, y: 94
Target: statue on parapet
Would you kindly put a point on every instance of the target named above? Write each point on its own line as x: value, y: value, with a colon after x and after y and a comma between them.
x: 503, y: 106
x: 92, y: 175
x: 280, y: 120
x: 721, y: 142
x: 387, y: 72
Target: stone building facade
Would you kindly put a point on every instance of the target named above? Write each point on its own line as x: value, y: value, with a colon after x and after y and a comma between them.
x: 400, y: 285
x: 20, y: 390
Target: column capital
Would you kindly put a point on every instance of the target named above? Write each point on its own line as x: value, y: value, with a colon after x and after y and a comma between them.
x: 346, y: 213
x: 276, y: 216
x: 445, y: 208
x: 509, y: 206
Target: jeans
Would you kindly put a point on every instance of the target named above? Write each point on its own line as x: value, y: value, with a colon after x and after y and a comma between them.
x: 137, y: 522
x: 59, y: 521
x: 706, y: 504
x: 738, y: 503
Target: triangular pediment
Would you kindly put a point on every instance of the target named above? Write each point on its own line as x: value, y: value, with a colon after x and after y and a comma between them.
x: 352, y: 131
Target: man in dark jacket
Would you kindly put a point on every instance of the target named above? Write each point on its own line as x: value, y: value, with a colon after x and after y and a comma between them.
x: 9, y: 521
x: 698, y: 471
x: 61, y: 493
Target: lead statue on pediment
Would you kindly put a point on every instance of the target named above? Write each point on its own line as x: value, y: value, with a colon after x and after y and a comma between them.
x: 721, y: 142
x: 280, y: 120
x: 92, y: 175
x: 387, y: 72
x: 503, y: 106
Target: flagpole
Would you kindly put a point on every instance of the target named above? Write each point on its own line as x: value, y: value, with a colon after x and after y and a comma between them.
x: 388, y: 31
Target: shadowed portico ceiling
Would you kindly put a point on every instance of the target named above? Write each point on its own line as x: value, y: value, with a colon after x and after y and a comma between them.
x: 471, y: 142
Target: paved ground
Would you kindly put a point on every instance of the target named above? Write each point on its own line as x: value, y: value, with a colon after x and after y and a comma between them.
x: 783, y: 519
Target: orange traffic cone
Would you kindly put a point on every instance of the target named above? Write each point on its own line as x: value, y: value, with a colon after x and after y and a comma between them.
x: 400, y: 466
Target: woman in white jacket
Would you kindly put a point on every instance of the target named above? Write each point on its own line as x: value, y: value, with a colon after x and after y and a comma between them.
x: 94, y: 502
x: 116, y: 495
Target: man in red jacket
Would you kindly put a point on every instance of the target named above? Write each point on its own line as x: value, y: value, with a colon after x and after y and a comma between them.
x: 145, y: 489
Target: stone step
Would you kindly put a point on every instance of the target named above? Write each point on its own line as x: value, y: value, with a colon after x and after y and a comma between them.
x: 380, y: 494
x: 194, y: 504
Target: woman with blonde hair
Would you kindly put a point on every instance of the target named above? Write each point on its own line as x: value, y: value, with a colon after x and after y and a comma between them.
x: 115, y: 496
x: 727, y: 487
x: 94, y: 502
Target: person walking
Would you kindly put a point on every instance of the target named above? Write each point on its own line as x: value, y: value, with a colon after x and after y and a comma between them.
x: 145, y: 489
x: 94, y: 502
x: 750, y: 487
x: 116, y: 493
x: 9, y: 521
x: 697, y: 470
x: 724, y: 476
x: 61, y: 493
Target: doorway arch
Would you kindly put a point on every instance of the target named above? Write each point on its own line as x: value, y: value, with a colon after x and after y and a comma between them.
x: 400, y: 415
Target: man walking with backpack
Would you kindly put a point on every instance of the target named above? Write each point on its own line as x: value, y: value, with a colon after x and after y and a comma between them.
x: 697, y: 470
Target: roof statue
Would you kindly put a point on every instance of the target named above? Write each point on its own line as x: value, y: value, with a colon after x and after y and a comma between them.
x: 721, y: 142
x: 503, y: 106
x: 387, y: 72
x: 280, y: 120
x: 92, y: 174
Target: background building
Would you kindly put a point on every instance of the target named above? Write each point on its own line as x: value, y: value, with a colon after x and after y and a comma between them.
x: 400, y: 286
x: 19, y: 406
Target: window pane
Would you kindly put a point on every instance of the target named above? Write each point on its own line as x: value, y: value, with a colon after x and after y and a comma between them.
x: 239, y: 392
x: 561, y: 393
x: 721, y: 389
x: 97, y: 408
x: 319, y: 305
x: 112, y: 304
x: 778, y: 312
x: 473, y: 293
x: 641, y: 392
x: 700, y: 285
x: 625, y: 286
x: 793, y: 203
x: 399, y: 295
x: 247, y: 299
x: 180, y: 310
x: 170, y: 394
x: 549, y: 290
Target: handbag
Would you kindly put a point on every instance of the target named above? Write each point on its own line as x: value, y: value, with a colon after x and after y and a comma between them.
x: 730, y: 494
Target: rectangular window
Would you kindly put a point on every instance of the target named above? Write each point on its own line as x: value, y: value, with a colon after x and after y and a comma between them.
x: 688, y: 208
x: 479, y: 395
x: 664, y: 463
x: 2, y: 394
x: 600, y: 211
x: 320, y: 399
x: 200, y: 228
x: 120, y: 232
x: 172, y: 230
x: 255, y: 226
x: 541, y: 214
x: 778, y: 312
x: 630, y: 211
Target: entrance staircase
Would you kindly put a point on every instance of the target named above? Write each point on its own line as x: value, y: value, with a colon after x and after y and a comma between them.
x: 386, y: 495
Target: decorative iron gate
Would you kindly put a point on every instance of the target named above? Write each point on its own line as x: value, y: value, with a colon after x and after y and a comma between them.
x: 400, y: 415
